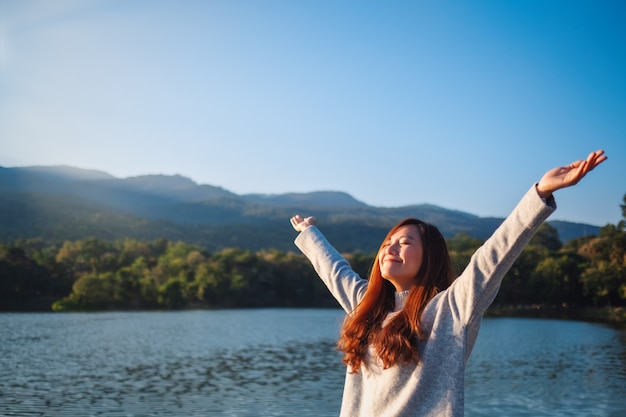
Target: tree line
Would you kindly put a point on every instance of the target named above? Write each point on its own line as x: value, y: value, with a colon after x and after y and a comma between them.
x: 96, y: 274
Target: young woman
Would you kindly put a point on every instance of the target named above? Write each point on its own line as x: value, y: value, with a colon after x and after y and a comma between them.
x: 410, y: 328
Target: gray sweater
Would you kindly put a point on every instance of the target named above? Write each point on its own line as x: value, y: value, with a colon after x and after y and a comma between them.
x: 435, y: 386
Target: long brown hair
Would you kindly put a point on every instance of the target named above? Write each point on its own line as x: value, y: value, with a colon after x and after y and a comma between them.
x: 398, y: 340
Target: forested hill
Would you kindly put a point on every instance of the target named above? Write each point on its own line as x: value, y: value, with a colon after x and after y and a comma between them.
x: 64, y: 203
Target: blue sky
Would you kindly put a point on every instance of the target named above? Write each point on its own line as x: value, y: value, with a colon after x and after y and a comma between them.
x: 462, y: 104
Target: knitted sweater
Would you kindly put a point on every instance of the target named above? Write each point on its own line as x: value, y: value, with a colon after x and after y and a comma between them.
x: 435, y: 386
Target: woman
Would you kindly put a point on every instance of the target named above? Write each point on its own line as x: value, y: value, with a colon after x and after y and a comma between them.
x: 410, y: 329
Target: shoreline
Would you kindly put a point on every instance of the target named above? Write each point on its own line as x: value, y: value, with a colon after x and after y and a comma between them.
x: 609, y: 315
x: 615, y: 316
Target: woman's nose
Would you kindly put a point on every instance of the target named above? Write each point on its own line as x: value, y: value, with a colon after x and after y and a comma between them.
x: 393, y: 248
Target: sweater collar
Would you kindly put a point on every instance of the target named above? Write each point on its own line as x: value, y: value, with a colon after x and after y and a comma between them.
x: 400, y: 300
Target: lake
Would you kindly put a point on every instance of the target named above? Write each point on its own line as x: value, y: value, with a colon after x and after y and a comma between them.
x: 281, y: 362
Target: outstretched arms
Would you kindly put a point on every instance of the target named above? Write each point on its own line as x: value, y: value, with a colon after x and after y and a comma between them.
x: 569, y: 175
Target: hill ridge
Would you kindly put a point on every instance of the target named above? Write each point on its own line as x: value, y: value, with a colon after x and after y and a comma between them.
x: 36, y: 202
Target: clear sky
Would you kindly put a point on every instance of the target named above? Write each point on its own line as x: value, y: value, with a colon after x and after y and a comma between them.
x: 461, y: 104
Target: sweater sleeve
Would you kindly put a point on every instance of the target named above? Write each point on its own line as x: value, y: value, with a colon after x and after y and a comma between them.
x: 344, y: 284
x: 476, y: 288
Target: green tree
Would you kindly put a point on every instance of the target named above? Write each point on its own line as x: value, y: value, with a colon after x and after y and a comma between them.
x: 296, y: 284
x: 228, y: 278
x: 92, y: 291
x: 604, y: 279
x: 130, y: 250
x: 547, y: 237
x: 20, y: 276
x: 89, y: 255
x: 462, y: 242
x: 173, y: 293
x: 556, y: 280
x: 461, y: 248
x: 174, y: 263
x: 518, y: 286
x: 128, y: 285
x: 361, y: 263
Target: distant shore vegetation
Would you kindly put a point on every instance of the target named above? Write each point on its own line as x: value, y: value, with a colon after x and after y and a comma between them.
x: 96, y: 275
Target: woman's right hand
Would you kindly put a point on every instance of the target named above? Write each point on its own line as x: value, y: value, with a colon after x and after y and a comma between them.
x: 299, y: 223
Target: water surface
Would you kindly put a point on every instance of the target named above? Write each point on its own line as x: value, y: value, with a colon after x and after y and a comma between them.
x: 281, y: 362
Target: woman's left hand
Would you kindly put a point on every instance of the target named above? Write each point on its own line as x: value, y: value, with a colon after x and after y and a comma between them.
x: 569, y: 175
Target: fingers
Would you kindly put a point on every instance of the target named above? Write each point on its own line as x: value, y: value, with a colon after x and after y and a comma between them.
x: 595, y: 159
x: 295, y: 220
x: 299, y: 223
x: 582, y: 168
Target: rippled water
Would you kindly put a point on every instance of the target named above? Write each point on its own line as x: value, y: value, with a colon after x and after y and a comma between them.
x: 531, y: 367
x: 281, y: 363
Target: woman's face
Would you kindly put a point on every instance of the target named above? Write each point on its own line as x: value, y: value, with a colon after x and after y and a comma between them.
x: 401, y: 256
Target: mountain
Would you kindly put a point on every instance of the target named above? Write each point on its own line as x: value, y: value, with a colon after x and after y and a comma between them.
x: 66, y: 203
x: 314, y: 199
